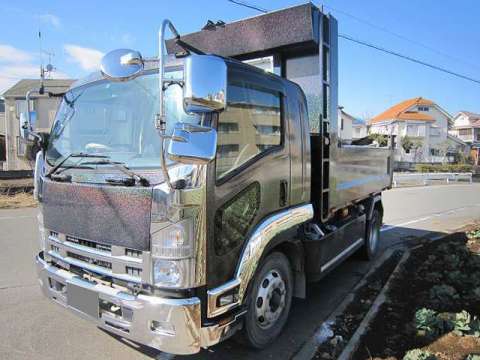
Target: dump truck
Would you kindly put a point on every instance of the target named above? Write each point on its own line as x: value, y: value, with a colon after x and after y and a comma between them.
x: 189, y: 197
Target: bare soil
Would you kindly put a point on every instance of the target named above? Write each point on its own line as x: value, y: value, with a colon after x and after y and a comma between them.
x: 451, y: 263
x: 347, y: 323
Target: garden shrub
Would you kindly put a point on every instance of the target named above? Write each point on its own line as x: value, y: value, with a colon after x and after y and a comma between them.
x: 450, y: 168
x: 418, y: 354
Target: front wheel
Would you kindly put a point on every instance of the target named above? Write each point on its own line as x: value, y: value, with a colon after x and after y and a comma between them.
x: 372, y: 241
x: 269, y: 301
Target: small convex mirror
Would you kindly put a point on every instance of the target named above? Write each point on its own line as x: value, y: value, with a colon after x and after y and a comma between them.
x: 122, y: 64
x: 205, y: 86
x: 24, y: 126
x: 192, y: 144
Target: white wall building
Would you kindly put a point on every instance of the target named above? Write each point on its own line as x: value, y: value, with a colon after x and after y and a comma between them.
x: 467, y: 128
x: 426, y: 124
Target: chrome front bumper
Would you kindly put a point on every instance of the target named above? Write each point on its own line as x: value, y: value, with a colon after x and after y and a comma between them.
x: 169, y: 325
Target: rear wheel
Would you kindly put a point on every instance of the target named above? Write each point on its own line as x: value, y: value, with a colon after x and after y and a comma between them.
x: 269, y: 301
x: 370, y: 249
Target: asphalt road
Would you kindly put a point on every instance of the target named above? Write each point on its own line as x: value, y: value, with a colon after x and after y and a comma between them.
x: 32, y: 327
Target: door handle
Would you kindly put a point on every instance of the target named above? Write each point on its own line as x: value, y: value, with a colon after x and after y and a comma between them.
x: 283, y: 193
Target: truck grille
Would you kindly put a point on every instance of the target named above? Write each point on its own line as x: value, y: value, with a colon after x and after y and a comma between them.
x: 106, y: 260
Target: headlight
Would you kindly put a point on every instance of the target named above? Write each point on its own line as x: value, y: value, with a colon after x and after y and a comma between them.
x: 173, y: 255
x: 173, y: 273
x: 166, y: 273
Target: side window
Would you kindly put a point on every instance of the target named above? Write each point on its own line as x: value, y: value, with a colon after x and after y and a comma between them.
x: 251, y: 125
x: 233, y: 219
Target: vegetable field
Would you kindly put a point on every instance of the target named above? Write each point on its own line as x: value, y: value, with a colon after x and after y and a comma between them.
x: 433, y: 306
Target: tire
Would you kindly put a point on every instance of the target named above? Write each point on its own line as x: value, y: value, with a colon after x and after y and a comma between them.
x: 269, y: 301
x: 372, y: 236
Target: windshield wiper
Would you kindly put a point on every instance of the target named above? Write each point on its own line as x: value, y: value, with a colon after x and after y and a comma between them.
x: 121, y: 167
x: 73, y: 155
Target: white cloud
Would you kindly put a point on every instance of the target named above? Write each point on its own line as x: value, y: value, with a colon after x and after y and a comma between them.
x: 11, y: 74
x: 11, y: 54
x: 49, y: 19
x: 87, y: 58
x: 16, y: 64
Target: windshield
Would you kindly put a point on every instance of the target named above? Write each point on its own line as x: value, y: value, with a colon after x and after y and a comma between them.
x: 116, y: 119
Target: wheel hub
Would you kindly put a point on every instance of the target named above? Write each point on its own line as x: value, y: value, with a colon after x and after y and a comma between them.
x: 270, y: 299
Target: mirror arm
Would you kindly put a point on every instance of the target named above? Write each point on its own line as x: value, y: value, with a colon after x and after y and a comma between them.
x: 160, y: 122
x: 28, y: 125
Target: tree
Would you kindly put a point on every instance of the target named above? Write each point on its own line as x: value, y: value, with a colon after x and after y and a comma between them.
x: 380, y: 139
x: 412, y: 145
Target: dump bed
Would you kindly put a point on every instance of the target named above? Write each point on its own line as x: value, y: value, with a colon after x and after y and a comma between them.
x: 300, y: 44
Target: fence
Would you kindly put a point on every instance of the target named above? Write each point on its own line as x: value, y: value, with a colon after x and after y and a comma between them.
x: 426, y: 178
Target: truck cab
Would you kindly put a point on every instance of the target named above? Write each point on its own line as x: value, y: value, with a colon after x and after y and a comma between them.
x: 190, y: 196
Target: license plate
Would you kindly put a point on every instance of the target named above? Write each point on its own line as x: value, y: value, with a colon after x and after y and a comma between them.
x: 83, y: 300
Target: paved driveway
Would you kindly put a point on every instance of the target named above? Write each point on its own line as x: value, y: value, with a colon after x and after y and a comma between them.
x: 32, y: 327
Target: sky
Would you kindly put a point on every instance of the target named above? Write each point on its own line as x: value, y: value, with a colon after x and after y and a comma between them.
x: 444, y: 33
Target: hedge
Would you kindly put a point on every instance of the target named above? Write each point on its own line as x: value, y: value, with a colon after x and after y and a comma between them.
x: 449, y: 168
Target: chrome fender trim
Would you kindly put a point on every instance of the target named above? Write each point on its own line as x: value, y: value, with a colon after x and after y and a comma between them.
x: 252, y: 253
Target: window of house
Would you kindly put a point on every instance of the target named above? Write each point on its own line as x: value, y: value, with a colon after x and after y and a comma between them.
x: 434, y: 152
x: 256, y: 111
x: 465, y: 132
x: 423, y: 108
x: 21, y: 106
x: 341, y: 123
x: 227, y: 128
x: 434, y: 131
x: 21, y: 147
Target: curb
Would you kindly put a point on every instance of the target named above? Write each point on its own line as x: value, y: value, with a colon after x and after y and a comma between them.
x: 323, y: 332
x: 354, y: 341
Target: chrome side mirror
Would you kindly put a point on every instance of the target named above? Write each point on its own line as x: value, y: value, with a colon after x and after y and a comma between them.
x: 192, y: 144
x: 205, y: 87
x: 24, y: 126
x: 122, y: 64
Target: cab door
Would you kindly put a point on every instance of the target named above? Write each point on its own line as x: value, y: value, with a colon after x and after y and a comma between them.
x: 250, y: 178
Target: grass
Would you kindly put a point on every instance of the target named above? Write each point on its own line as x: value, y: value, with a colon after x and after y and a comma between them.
x: 17, y: 201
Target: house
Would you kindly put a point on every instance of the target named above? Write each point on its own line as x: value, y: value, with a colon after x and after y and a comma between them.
x: 346, y: 126
x: 359, y: 129
x: 467, y: 128
x: 350, y: 127
x: 421, y: 127
x: 44, y: 107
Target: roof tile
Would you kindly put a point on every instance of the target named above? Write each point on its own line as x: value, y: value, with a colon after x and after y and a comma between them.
x: 397, y: 111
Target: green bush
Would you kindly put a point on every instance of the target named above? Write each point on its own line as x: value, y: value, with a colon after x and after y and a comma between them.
x: 418, y: 354
x: 432, y: 168
x: 431, y: 324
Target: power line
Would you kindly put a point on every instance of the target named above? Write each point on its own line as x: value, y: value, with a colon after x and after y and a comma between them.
x: 379, y: 48
x: 406, y: 57
x: 400, y: 36
x: 242, y: 3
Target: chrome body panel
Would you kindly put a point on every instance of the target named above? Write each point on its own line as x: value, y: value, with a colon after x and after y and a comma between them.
x: 182, y: 317
x: 115, y: 261
x: 263, y: 234
x: 253, y: 251
x: 359, y: 172
x: 175, y: 205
